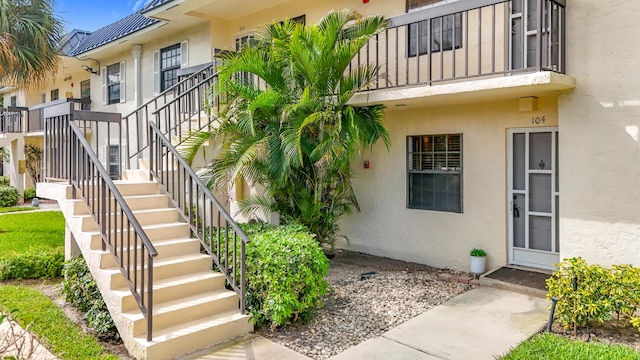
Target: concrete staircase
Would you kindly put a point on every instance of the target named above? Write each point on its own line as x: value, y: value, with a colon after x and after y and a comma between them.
x: 192, y: 309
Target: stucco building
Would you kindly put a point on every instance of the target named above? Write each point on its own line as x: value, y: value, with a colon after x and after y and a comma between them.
x: 514, y: 124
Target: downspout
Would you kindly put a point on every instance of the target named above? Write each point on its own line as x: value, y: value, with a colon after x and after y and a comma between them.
x: 136, y: 51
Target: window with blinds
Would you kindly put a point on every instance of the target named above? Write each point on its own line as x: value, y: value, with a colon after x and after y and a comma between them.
x: 434, y: 172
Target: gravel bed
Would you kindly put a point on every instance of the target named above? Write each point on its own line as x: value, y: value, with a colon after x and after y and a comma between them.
x: 370, y: 296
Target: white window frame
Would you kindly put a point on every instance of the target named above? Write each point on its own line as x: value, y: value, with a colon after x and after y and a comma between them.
x: 447, y: 170
x: 157, y: 65
x: 106, y: 84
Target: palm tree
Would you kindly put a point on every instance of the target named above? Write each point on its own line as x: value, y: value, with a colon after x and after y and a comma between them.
x: 29, y: 37
x: 287, y: 124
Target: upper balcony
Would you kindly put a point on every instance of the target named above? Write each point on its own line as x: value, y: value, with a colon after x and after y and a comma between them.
x: 23, y: 120
x: 467, y: 51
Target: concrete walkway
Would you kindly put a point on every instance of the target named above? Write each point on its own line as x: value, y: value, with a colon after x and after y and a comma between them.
x: 482, y: 323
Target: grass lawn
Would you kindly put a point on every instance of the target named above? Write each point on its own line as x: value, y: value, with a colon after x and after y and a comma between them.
x: 551, y: 346
x: 60, y: 335
x: 16, y: 209
x: 19, y: 232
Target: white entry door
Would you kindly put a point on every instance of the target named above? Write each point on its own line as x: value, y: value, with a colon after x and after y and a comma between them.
x: 533, y: 197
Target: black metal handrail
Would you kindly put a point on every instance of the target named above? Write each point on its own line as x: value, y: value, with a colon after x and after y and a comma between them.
x: 139, y: 118
x: 176, y: 109
x: 209, y: 221
x: 68, y: 155
x: 467, y: 39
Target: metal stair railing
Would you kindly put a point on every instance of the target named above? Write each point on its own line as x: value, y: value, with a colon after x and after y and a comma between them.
x: 69, y: 156
x: 136, y: 123
x: 184, y: 108
x: 209, y: 221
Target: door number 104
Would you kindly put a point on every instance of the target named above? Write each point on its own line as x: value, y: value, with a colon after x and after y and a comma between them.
x: 537, y: 120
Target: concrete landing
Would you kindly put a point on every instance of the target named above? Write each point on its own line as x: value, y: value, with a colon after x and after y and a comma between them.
x: 250, y: 347
x: 482, y: 323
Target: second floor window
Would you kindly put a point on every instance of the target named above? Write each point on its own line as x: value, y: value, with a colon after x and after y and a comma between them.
x: 85, y: 94
x: 434, y: 35
x: 113, y: 83
x: 169, y: 65
x: 55, y: 94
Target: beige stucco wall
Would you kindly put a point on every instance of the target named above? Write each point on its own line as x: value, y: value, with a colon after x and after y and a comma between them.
x: 223, y: 32
x: 386, y: 227
x: 599, y: 134
x: 199, y: 52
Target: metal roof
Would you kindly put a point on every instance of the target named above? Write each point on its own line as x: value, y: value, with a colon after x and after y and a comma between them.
x: 116, y: 30
x: 70, y: 41
x: 152, y: 4
x: 113, y: 32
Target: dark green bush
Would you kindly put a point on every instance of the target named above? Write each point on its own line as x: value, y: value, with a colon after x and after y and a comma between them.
x: 9, y: 196
x: 29, y: 193
x: 285, y: 274
x: 35, y: 263
x: 81, y: 291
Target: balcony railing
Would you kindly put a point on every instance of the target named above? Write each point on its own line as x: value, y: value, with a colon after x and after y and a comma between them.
x: 35, y: 121
x: 468, y: 39
x: 13, y: 119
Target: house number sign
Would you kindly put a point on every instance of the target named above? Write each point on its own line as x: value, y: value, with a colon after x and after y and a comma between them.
x: 537, y: 120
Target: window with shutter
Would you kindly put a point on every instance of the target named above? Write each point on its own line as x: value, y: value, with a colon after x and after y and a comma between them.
x: 170, y: 59
x: 112, y: 83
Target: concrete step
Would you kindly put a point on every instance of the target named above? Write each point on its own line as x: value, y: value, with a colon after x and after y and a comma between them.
x: 170, y: 313
x: 174, y: 288
x: 126, y: 188
x: 166, y: 249
x: 144, y: 217
x: 164, y: 268
x: 156, y: 232
x: 135, y: 202
x: 195, y: 335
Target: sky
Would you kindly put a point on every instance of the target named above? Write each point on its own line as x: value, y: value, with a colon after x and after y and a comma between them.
x: 93, y: 14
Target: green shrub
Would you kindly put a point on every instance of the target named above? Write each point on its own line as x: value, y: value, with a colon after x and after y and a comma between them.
x: 592, y: 294
x: 35, y: 263
x: 29, y: 193
x: 9, y: 196
x: 4, y: 180
x: 81, y: 291
x: 285, y: 274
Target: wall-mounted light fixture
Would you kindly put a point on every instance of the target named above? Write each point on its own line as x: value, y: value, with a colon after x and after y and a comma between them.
x: 89, y: 69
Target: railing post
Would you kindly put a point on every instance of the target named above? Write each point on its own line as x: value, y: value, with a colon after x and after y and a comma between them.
x: 243, y: 284
x: 539, y: 33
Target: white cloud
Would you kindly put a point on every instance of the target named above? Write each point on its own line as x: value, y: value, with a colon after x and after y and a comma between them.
x: 137, y: 5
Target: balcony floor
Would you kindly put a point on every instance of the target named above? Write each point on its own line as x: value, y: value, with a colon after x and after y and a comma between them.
x: 542, y: 83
